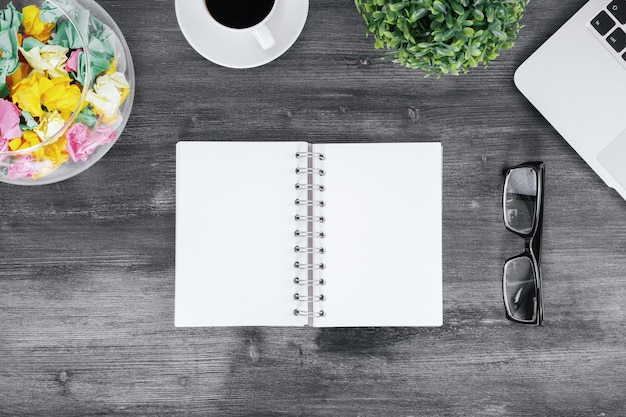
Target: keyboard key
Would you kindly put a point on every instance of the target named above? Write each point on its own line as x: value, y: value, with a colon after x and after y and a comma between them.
x: 618, y: 9
x: 603, y: 23
x: 617, y: 39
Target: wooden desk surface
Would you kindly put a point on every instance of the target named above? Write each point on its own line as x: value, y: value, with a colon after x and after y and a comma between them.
x: 87, y: 275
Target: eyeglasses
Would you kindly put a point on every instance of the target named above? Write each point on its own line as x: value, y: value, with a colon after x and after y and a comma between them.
x: 522, y: 205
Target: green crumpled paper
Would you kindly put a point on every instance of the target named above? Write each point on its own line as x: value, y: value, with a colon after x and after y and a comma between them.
x: 9, y: 60
x: 87, y: 117
x: 29, y: 121
x: 10, y: 21
x: 10, y: 18
x: 101, y: 43
x: 97, y: 65
x: 30, y: 43
x: 67, y: 35
x: 50, y: 13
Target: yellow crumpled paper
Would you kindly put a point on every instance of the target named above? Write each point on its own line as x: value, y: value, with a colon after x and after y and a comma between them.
x: 49, y: 59
x: 28, y: 139
x: 27, y: 93
x: 33, y: 26
x: 108, y: 94
x: 49, y: 124
x: 54, y: 94
x: 62, y: 96
x: 19, y: 74
x: 56, y: 153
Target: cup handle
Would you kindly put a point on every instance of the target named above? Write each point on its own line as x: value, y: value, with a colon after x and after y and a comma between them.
x: 264, y: 37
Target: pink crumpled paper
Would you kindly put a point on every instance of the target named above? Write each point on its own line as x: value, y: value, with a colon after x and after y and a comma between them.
x: 9, y: 121
x: 82, y: 141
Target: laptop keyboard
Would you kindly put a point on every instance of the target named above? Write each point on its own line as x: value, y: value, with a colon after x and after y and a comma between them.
x: 610, y: 26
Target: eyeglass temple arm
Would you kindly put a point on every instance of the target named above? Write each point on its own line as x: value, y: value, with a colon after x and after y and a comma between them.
x: 536, y: 242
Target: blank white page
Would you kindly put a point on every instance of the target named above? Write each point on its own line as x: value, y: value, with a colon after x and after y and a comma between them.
x: 234, y: 233
x: 382, y: 235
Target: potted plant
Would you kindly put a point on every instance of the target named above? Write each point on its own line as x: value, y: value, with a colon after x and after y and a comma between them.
x: 443, y: 36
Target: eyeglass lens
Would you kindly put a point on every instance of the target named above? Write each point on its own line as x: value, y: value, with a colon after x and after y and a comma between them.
x: 520, y: 200
x: 520, y: 288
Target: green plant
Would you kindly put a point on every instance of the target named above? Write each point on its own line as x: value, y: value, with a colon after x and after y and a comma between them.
x: 443, y: 36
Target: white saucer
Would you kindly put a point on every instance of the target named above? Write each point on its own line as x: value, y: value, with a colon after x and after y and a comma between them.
x: 234, y: 49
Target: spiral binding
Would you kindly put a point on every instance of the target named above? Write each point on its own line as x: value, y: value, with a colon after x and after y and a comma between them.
x: 317, y: 187
x: 300, y: 281
x: 319, y: 219
x: 300, y: 297
x: 302, y: 233
x: 310, y: 203
x: 310, y: 155
x: 316, y: 171
x: 319, y: 313
x: 301, y: 249
x: 308, y: 286
x: 299, y: 265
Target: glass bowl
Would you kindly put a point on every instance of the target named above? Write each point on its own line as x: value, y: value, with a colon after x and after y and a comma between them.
x: 66, y: 88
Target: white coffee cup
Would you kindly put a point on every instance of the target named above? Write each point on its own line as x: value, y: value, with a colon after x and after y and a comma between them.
x: 245, y: 16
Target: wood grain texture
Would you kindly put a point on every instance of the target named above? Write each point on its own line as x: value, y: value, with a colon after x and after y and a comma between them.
x: 87, y: 275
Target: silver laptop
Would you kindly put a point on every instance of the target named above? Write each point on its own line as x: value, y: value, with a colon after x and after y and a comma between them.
x: 577, y: 80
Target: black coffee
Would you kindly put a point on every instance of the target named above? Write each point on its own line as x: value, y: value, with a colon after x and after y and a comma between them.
x: 239, y: 14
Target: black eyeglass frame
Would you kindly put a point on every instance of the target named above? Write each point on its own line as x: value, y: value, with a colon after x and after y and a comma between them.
x: 532, y: 242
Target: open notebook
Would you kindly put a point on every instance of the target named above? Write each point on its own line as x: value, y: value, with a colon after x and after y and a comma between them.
x: 292, y: 234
